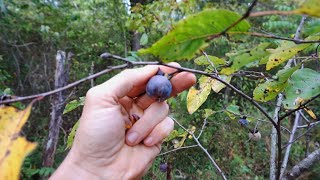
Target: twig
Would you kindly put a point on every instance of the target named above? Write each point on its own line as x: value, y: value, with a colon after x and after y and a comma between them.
x: 297, y: 41
x: 304, y: 117
x: 300, y: 107
x: 203, y: 149
x: 275, y: 12
x: 203, y: 126
x: 211, y: 63
x: 308, y: 125
x: 244, y: 16
x: 123, y: 66
x: 301, y: 135
x: 286, y: 155
x: 179, y: 148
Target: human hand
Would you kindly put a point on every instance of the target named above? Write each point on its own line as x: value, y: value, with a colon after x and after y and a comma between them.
x: 102, y: 148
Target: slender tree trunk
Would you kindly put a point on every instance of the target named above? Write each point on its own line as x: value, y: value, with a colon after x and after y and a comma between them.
x: 135, y: 41
x: 58, y: 104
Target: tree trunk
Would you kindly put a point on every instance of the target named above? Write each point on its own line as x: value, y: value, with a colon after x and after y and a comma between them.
x: 135, y: 41
x: 58, y: 104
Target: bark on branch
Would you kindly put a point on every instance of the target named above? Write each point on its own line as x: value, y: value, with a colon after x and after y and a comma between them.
x: 303, y: 165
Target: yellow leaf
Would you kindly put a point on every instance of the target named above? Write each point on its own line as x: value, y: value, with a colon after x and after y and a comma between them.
x: 14, y: 148
x: 217, y: 85
x: 311, y: 113
x: 286, y: 51
x: 309, y: 7
x: 196, y: 98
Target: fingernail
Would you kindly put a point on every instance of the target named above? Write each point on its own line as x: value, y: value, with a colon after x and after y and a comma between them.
x: 148, y: 141
x: 133, y: 137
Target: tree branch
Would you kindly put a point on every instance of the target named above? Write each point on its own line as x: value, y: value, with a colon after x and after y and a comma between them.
x: 303, y: 165
x: 203, y: 149
x: 297, y: 41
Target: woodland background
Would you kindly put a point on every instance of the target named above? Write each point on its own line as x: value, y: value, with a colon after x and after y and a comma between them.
x: 31, y: 33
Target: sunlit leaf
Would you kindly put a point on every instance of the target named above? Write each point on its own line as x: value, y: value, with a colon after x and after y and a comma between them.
x: 203, y: 60
x: 243, y: 58
x: 191, y: 34
x: 196, y: 97
x: 285, y: 51
x: 302, y: 86
x: 72, y: 134
x: 271, y: 88
x: 14, y: 148
x: 309, y: 7
x: 171, y: 136
x: 73, y: 105
x: 217, y: 86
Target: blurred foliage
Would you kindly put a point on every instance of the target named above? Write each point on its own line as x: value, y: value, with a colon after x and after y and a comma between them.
x: 31, y: 32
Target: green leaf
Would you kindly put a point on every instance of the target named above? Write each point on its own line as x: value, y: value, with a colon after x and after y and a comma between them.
x: 245, y: 57
x: 72, y: 134
x: 196, y: 97
x: 234, y: 109
x: 73, y: 105
x: 302, y: 86
x: 191, y: 35
x: 144, y: 39
x: 203, y: 60
x: 271, y: 88
x: 309, y: 7
x: 285, y: 51
x: 171, y: 136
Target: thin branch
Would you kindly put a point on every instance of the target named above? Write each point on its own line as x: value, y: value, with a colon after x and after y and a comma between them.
x: 286, y: 155
x: 275, y: 12
x: 301, y: 135
x: 211, y: 63
x: 308, y: 125
x: 303, y: 105
x: 203, y: 149
x: 123, y: 66
x: 244, y: 16
x: 179, y: 148
x: 297, y: 41
x: 203, y: 126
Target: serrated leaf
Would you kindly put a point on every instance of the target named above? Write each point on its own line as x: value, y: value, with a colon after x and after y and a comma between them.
x: 196, y: 98
x: 203, y: 60
x: 245, y: 57
x: 309, y: 7
x: 302, y: 86
x: 73, y: 105
x: 190, y: 35
x: 270, y: 89
x: 72, y: 134
x: 144, y: 39
x: 14, y: 148
x: 285, y: 51
x: 217, y: 86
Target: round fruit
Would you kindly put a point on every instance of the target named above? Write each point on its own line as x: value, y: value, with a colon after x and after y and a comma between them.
x: 163, y: 167
x: 159, y: 88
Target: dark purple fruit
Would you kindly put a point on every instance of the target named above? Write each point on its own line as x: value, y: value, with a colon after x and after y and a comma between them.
x: 163, y: 167
x: 243, y: 121
x: 159, y: 88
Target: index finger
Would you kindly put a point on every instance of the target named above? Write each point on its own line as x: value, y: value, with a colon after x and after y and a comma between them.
x: 120, y: 85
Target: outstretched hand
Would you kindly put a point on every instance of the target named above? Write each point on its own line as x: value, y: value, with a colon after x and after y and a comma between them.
x: 103, y: 148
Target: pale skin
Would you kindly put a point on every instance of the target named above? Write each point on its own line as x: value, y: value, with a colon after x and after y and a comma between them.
x: 103, y: 147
